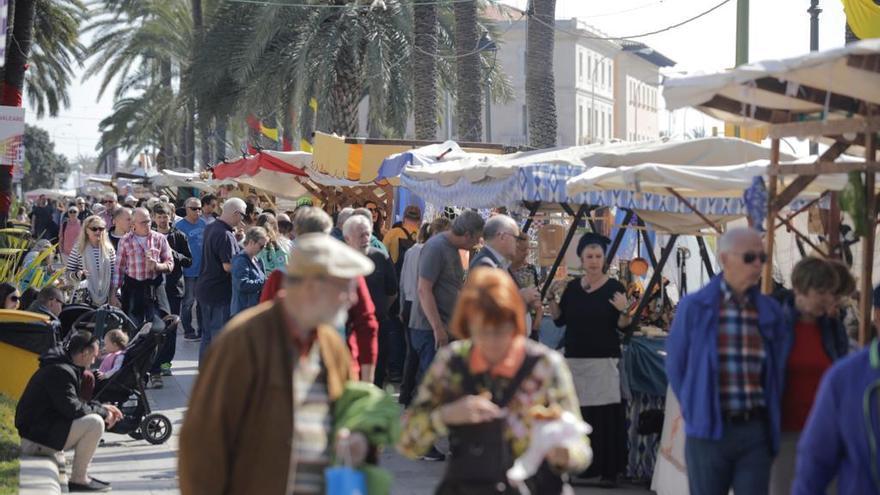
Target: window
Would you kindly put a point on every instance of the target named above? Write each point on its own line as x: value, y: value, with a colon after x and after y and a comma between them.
x: 525, y: 122
x: 602, y: 74
x: 610, y: 129
x: 580, y: 124
x: 602, y: 134
x: 580, y: 66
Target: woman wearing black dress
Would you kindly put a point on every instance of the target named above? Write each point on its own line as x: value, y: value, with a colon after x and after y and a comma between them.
x: 593, y: 308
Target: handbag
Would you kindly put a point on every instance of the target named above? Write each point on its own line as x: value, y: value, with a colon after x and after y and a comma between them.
x: 479, y: 454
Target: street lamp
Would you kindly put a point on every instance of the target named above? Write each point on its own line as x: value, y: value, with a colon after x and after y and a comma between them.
x: 486, y: 44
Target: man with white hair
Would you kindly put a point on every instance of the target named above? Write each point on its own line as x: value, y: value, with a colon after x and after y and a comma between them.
x: 500, y: 236
x: 214, y: 287
x: 382, y: 284
x: 343, y: 215
x: 723, y: 363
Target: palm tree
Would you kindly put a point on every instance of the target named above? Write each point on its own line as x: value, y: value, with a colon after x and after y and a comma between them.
x: 143, y: 45
x: 540, y: 86
x: 56, y: 50
x: 425, y: 32
x: 468, y: 107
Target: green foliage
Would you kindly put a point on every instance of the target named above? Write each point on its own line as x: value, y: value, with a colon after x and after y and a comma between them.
x: 56, y: 52
x: 10, y: 449
x: 35, y: 274
x: 41, y: 163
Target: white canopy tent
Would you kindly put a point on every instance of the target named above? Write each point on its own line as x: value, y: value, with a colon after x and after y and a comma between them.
x: 830, y: 96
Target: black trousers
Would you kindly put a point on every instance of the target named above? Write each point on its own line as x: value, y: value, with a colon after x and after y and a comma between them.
x: 410, y: 363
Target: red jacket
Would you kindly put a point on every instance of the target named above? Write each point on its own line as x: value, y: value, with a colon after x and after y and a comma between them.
x: 363, y: 340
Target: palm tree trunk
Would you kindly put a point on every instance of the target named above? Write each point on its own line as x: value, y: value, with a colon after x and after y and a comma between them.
x: 540, y: 92
x: 425, y: 71
x: 220, y: 126
x: 201, y: 114
x: 22, y: 13
x: 469, y: 88
x: 345, y: 95
x: 165, y: 158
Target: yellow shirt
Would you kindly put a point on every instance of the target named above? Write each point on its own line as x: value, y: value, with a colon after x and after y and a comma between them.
x: 393, y: 237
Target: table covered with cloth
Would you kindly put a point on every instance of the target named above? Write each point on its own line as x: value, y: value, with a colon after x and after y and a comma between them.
x: 643, y: 379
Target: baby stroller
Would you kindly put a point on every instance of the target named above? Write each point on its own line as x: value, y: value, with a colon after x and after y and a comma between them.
x: 96, y: 320
x: 125, y: 389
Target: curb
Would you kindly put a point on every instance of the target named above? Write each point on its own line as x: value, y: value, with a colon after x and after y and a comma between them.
x: 38, y: 476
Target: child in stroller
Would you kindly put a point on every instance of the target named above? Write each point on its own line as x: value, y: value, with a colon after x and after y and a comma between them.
x: 125, y: 388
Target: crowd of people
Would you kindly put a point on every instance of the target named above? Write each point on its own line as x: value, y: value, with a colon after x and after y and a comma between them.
x: 771, y: 388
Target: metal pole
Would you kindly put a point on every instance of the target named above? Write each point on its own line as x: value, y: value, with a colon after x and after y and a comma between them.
x: 488, y: 110
x: 814, y: 12
x: 742, y: 39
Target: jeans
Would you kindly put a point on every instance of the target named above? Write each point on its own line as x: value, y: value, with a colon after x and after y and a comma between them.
x: 740, y: 460
x: 423, y: 343
x: 214, y: 316
x: 186, y: 309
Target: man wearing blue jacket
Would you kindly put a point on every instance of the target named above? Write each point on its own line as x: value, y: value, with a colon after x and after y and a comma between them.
x: 724, y: 365
x: 842, y: 434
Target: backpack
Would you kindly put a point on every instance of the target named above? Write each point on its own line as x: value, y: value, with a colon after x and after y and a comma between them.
x: 403, y: 244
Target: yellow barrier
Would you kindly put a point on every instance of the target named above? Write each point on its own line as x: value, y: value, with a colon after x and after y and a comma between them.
x: 16, y: 368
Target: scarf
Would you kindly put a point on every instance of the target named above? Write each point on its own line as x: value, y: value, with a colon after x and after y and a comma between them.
x: 99, y: 274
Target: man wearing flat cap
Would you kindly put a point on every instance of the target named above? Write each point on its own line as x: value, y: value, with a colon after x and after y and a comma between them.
x: 259, y: 418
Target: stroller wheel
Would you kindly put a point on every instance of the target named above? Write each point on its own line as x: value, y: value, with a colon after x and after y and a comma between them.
x: 136, y: 434
x: 156, y: 428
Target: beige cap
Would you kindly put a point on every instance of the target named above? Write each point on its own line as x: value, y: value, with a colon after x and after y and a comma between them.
x: 320, y: 255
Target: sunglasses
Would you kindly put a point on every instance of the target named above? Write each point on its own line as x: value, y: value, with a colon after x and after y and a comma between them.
x: 97, y: 229
x: 749, y: 257
x: 105, y: 201
x: 195, y: 208
x: 14, y: 298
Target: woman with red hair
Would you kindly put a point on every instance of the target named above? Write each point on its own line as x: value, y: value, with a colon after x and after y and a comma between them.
x: 486, y: 390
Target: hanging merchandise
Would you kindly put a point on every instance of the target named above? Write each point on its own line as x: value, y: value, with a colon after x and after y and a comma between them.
x: 814, y: 221
x: 863, y: 17
x: 550, y: 239
x: 852, y: 201
x: 755, y: 199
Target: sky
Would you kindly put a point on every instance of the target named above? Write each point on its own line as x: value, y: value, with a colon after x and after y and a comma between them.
x: 777, y: 29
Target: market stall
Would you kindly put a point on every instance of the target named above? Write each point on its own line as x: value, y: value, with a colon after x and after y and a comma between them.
x: 830, y: 96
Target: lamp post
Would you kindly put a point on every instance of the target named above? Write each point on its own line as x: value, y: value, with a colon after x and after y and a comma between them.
x: 814, y: 12
x: 486, y: 44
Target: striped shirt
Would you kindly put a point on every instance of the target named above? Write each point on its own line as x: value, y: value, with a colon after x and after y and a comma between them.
x: 741, y: 354
x: 312, y: 424
x: 75, y: 262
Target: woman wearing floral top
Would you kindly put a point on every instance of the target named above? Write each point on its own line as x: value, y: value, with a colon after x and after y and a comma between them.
x: 490, y: 321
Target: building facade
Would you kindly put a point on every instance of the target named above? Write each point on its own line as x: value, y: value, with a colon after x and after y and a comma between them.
x: 605, y: 89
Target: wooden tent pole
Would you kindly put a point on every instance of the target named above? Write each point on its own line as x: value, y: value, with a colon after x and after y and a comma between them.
x: 866, y: 289
x: 767, y: 276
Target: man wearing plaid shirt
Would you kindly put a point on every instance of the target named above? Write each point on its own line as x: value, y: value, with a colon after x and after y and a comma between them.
x: 142, y: 259
x: 724, y: 363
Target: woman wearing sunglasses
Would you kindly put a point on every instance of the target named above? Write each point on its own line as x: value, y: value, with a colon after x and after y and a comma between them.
x: 70, y: 230
x: 10, y: 296
x: 93, y: 259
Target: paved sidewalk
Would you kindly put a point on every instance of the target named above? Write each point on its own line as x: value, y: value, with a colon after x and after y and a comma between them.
x: 136, y: 467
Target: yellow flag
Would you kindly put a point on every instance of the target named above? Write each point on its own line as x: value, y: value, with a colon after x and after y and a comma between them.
x: 863, y: 17
x: 269, y: 132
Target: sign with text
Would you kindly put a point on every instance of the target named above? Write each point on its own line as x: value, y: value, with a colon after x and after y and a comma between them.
x: 11, y: 136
